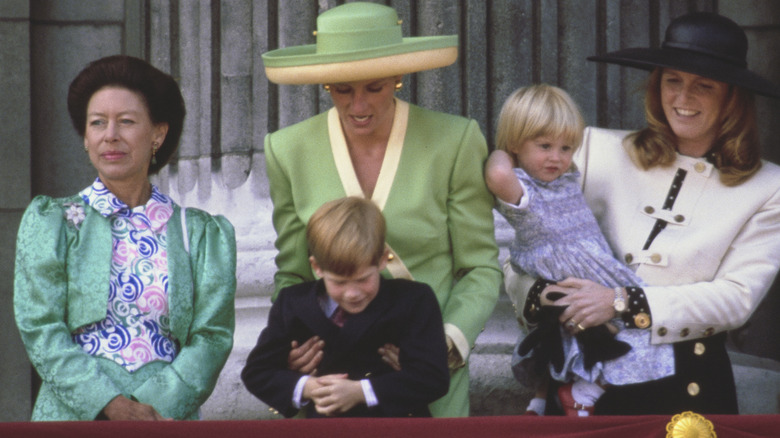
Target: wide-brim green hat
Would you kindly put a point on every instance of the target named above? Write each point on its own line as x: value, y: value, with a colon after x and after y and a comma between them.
x: 355, y: 42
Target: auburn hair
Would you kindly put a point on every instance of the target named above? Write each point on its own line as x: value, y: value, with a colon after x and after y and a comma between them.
x: 347, y: 234
x: 736, y: 150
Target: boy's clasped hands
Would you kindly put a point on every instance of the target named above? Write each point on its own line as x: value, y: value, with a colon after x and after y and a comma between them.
x: 332, y: 394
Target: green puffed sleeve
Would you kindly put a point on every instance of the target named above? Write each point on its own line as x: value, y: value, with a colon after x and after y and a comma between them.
x: 70, y: 376
x: 202, y: 306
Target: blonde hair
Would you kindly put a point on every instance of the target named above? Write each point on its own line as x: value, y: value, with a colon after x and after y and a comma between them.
x: 736, y: 149
x: 346, y: 234
x: 536, y: 111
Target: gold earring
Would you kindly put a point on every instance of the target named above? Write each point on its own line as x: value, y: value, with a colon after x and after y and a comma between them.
x: 326, y: 87
x: 399, y: 85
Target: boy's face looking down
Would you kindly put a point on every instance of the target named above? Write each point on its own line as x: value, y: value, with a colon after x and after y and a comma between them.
x: 354, y: 292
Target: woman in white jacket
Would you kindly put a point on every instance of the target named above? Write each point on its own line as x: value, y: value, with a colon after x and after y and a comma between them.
x: 689, y: 204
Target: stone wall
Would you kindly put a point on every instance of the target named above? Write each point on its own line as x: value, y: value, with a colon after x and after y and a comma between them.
x: 15, y: 177
x: 213, y: 48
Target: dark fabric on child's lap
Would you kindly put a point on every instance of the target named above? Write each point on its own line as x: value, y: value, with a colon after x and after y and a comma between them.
x: 597, y: 344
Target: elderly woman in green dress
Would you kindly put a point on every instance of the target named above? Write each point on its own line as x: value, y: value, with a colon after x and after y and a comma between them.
x: 124, y: 301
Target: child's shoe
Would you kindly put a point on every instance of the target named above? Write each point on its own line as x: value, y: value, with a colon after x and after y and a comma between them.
x: 570, y: 406
x: 536, y: 407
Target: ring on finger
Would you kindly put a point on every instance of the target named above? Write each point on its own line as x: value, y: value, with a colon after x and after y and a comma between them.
x: 579, y: 326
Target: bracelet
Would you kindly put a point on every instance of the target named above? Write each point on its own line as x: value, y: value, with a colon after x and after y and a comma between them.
x: 619, y: 303
x: 534, y: 300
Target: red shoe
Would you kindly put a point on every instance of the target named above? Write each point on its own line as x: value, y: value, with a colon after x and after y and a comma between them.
x: 571, y: 407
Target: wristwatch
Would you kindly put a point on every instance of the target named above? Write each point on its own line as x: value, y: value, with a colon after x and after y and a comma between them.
x: 620, y: 303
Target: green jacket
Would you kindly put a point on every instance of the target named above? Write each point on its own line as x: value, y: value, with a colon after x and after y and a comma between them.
x: 61, y: 284
x: 438, y: 212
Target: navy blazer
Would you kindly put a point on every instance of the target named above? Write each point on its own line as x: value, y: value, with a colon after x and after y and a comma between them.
x: 404, y: 313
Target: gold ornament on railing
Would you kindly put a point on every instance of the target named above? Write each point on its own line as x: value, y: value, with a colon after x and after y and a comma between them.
x: 690, y: 425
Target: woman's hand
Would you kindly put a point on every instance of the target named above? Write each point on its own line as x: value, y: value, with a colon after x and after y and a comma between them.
x: 551, y: 294
x: 390, y: 353
x: 122, y: 408
x: 588, y: 304
x: 305, y: 358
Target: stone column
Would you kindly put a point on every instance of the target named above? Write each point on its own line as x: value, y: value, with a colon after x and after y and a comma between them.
x: 15, y: 370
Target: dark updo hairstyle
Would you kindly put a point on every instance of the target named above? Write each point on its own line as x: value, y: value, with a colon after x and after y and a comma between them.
x: 159, y: 91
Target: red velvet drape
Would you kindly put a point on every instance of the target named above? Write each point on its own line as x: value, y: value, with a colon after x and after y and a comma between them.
x: 726, y: 426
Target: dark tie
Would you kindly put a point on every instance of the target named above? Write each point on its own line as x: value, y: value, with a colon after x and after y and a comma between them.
x: 339, y: 317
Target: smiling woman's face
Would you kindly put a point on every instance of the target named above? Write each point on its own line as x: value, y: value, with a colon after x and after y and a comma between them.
x: 119, y: 135
x: 693, y: 106
x: 365, y: 107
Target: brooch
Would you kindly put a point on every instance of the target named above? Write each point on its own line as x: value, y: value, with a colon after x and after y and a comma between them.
x: 689, y: 424
x: 74, y: 214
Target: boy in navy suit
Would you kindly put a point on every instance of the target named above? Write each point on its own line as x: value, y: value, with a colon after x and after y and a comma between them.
x: 355, y: 312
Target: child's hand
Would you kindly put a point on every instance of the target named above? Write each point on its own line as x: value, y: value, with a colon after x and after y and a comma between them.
x: 309, y: 387
x: 336, y: 394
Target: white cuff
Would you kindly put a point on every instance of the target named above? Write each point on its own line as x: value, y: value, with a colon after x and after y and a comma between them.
x: 368, y: 393
x: 459, y: 340
x: 298, y: 393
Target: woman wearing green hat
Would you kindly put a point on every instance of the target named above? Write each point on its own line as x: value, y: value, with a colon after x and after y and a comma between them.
x: 422, y: 168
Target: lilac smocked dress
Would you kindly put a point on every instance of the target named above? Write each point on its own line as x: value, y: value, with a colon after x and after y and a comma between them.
x: 557, y: 236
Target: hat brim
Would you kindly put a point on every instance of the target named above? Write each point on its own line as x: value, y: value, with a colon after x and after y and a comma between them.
x: 691, y: 62
x: 302, y: 65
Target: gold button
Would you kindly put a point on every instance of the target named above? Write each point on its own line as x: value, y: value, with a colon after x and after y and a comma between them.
x: 709, y: 332
x: 649, y: 210
x: 693, y: 389
x: 684, y: 332
x: 662, y: 331
x: 699, y: 349
x: 700, y: 167
x: 642, y: 320
x: 629, y: 258
x: 655, y: 258
x: 390, y: 257
x: 679, y: 218
x: 367, y: 375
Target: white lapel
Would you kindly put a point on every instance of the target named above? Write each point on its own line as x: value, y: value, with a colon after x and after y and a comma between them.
x: 395, y: 145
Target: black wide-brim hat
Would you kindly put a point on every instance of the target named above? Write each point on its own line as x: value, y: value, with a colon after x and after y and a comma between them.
x: 702, y: 43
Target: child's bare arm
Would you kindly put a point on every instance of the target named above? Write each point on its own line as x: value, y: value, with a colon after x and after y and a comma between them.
x: 500, y: 178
